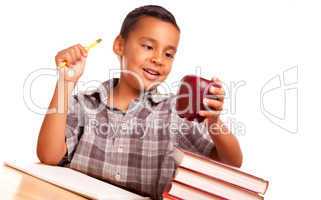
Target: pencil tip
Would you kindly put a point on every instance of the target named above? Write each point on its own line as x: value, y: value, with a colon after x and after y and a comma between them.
x: 99, y: 40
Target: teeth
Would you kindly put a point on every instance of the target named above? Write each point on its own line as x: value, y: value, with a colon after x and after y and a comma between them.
x: 151, y: 72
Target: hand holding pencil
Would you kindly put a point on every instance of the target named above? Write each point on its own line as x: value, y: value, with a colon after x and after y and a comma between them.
x: 71, y: 61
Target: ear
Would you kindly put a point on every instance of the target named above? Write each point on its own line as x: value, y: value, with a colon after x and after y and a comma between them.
x: 118, y: 46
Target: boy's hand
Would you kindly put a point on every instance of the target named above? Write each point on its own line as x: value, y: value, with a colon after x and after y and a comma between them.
x: 75, y: 58
x: 216, y: 105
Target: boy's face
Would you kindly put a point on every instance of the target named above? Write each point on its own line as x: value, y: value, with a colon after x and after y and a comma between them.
x: 148, y: 52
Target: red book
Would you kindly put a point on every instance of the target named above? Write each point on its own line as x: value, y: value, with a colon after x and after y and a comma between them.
x: 167, y: 196
x: 214, y: 186
x: 219, y: 171
x: 186, y: 192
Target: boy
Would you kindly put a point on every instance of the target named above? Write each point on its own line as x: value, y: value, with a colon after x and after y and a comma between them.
x: 110, y: 133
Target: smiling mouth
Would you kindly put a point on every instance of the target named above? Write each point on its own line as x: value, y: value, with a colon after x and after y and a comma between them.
x: 151, y: 72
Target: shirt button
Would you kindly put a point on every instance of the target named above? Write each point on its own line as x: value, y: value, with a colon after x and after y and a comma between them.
x: 117, y: 177
x: 124, y: 127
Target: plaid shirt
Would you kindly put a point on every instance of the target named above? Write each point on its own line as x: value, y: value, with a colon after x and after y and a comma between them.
x: 133, y: 149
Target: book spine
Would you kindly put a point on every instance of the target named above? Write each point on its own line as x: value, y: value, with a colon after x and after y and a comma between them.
x: 200, y: 192
x: 210, y: 180
x: 181, y: 155
x: 167, y: 196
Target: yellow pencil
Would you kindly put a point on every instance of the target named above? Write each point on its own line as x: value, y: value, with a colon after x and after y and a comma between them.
x: 90, y: 46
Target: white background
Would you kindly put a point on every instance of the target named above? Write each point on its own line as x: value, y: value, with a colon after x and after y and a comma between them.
x: 251, y: 41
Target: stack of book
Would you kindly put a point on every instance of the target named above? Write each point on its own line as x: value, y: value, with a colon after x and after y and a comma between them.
x: 200, y: 178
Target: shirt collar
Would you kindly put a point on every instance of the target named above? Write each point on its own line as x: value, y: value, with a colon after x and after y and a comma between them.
x: 152, y: 95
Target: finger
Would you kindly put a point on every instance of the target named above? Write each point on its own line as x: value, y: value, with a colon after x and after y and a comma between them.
x: 217, y: 97
x: 216, y: 82
x: 215, y: 79
x: 82, y: 50
x: 81, y: 62
x: 217, y: 91
x: 68, y: 59
x: 63, y: 59
x: 60, y: 61
x: 205, y: 113
x: 73, y: 55
x: 213, y: 104
x: 77, y: 53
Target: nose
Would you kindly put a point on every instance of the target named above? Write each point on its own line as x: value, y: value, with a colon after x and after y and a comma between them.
x: 157, y: 58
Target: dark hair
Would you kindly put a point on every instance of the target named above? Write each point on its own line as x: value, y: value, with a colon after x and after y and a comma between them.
x: 149, y: 10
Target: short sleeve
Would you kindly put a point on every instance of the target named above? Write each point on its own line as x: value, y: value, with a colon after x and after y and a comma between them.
x: 74, y: 128
x: 192, y: 136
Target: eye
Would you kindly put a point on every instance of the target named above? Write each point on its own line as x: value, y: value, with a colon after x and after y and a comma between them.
x: 147, y: 47
x: 169, y: 55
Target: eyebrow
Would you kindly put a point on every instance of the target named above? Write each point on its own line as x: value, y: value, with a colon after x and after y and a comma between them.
x: 155, y: 41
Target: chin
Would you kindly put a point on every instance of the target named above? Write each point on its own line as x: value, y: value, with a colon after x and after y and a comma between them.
x: 148, y: 84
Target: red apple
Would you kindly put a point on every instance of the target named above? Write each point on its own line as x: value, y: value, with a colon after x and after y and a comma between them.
x: 190, y: 97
